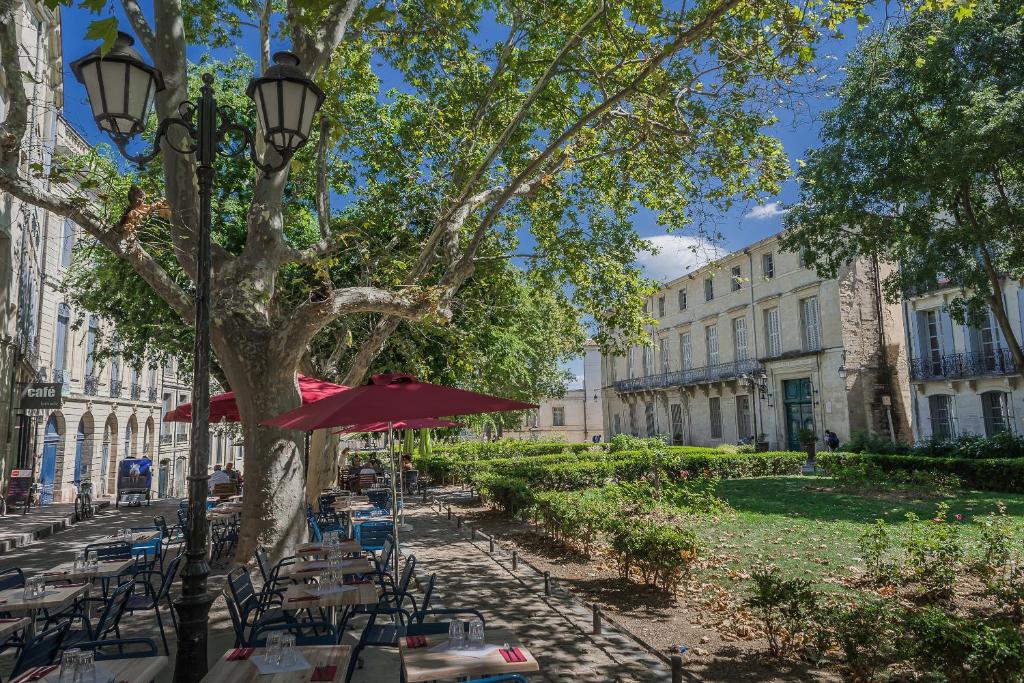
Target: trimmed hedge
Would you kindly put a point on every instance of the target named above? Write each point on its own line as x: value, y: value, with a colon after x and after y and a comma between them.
x: 990, y: 474
x: 505, y: 448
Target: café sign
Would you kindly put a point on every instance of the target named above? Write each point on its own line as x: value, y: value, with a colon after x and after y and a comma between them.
x: 41, y: 396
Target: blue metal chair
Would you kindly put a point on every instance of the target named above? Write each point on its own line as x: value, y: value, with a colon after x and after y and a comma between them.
x: 110, y: 619
x: 153, y: 593
x: 127, y: 648
x: 272, y: 574
x: 372, y: 534
x: 310, y: 632
x: 380, y: 498
x: 41, y: 650
x: 114, y: 550
x: 315, y: 535
x: 254, y: 609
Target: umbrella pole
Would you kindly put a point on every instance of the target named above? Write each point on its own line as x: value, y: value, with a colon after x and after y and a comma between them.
x: 394, y: 497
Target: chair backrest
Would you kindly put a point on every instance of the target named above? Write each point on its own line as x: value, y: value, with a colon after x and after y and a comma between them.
x: 170, y: 571
x: 113, y: 550
x: 263, y: 562
x: 41, y: 650
x: 126, y: 648
x: 428, y: 593
x: 410, y: 477
x: 410, y: 566
x: 242, y: 591
x: 373, y: 534
x: 225, y: 490
x: 380, y: 498
x: 325, y: 502
x: 305, y: 633
x: 183, y: 517
x: 387, y: 553
x: 314, y: 530
x: 12, y: 578
x: 114, y: 609
x: 236, y: 620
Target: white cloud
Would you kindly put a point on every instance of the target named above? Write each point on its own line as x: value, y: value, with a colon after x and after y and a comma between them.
x: 765, y: 211
x: 677, y: 255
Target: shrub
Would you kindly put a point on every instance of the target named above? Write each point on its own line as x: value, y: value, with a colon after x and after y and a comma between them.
x: 508, y: 493
x: 934, y: 552
x: 997, y: 541
x: 876, y: 545
x: 992, y: 474
x: 697, y: 493
x: 785, y: 607
x: 963, y: 649
x: 867, y: 634
x: 863, y: 475
x: 663, y: 553
x: 862, y: 442
x: 627, y: 442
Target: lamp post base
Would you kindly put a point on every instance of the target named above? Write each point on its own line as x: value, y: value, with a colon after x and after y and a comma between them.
x: 190, y: 663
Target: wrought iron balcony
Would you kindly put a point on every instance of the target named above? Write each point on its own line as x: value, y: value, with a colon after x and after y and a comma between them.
x: 964, y: 365
x: 166, y: 438
x: 62, y: 377
x: 135, y: 391
x: 89, y: 386
x: 152, y: 395
x: 115, y: 388
x: 42, y: 375
x: 682, y: 378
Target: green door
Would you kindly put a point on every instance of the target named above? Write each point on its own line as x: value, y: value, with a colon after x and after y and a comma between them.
x: 799, y: 410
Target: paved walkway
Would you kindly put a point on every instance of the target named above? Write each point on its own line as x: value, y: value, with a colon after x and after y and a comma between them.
x: 556, y: 628
x: 17, y: 529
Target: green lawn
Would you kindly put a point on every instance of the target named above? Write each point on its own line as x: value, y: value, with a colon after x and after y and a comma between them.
x: 814, y: 533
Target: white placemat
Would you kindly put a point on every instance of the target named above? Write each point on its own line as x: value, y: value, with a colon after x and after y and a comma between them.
x: 298, y: 663
x: 465, y: 652
x: 331, y: 590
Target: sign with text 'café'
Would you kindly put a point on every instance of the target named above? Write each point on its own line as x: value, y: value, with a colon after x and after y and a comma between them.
x: 41, y: 396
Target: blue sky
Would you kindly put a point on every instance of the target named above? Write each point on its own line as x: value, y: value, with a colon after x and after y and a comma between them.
x: 798, y: 128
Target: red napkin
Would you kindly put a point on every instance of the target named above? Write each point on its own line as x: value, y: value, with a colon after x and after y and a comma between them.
x: 36, y: 674
x: 324, y: 673
x: 512, y: 655
x: 416, y: 641
x: 240, y: 654
x: 9, y: 620
x: 55, y: 573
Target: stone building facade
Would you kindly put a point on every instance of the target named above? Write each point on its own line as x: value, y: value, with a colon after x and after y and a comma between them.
x: 963, y: 378
x: 757, y: 344
x: 575, y: 417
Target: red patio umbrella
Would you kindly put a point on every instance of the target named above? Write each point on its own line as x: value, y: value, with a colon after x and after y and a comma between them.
x: 389, y: 398
x: 422, y: 423
x: 224, y: 407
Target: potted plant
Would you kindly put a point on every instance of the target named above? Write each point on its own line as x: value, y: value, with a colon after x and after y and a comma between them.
x: 808, y: 441
x: 761, y: 446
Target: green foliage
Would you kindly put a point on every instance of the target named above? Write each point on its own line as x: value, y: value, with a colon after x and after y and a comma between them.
x: 628, y: 442
x: 1005, y: 474
x: 869, y: 636
x: 785, y: 608
x: 698, y: 493
x: 877, y: 548
x: 864, y: 476
x: 663, y: 553
x: 964, y: 649
x: 934, y: 552
x: 997, y: 541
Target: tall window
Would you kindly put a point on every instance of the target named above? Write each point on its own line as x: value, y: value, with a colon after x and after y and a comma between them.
x: 115, y: 366
x: 617, y: 429
x: 647, y: 353
x: 90, y: 346
x: 810, y: 323
x: 632, y: 420
x: 803, y: 259
x: 60, y: 343
x: 940, y: 407
x: 715, y: 412
x: 558, y: 416
x: 663, y: 350
x: 676, y: 412
x: 67, y: 242
x: 736, y: 279
x: 933, y: 341
x: 682, y: 299
x: 629, y: 363
x: 650, y: 422
x: 709, y: 289
x: 988, y: 343
x: 768, y: 265
x: 685, y: 351
x: 661, y: 307
x: 711, y: 343
x: 151, y: 377
x: 995, y: 408
x: 743, y: 425
x: 739, y: 337
x: 772, y: 333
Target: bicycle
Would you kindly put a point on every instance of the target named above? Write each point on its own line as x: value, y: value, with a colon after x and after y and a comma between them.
x: 83, y: 500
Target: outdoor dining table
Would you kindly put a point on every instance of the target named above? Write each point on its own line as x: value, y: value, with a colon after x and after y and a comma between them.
x: 53, y: 598
x: 309, y: 549
x: 303, y: 596
x: 345, y: 507
x: 354, y: 565
x: 105, y: 569
x: 134, y: 669
x: 423, y: 664
x: 243, y: 670
x: 137, y: 537
x: 9, y: 626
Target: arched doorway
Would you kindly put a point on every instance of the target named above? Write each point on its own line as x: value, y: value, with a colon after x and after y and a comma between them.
x: 108, y: 452
x: 131, y: 430
x: 162, y: 477
x: 52, y: 447
x: 147, y: 438
x: 84, y: 448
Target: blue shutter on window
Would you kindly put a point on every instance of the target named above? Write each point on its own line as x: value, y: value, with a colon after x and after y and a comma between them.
x: 947, y: 332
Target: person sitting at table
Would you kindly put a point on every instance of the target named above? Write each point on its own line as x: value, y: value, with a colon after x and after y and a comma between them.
x: 406, y: 462
x: 219, y: 476
x: 367, y: 476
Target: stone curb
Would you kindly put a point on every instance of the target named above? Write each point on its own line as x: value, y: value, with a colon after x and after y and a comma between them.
x: 13, y: 540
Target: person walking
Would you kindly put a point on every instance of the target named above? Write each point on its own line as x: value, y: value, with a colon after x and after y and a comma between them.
x: 831, y: 441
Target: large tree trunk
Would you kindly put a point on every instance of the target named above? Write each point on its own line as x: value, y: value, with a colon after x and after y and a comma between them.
x: 323, y: 463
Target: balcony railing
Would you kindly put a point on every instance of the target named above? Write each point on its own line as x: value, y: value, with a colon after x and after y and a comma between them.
x: 680, y: 378
x: 115, y: 388
x: 166, y: 438
x: 62, y: 377
x: 964, y: 365
x: 42, y: 375
x: 151, y: 396
x: 89, y: 386
x: 135, y: 392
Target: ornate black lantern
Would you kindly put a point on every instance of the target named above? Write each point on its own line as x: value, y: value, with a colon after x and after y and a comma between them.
x: 121, y: 88
x: 286, y: 102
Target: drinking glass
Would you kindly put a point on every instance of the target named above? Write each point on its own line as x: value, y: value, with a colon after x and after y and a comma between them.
x: 456, y: 634
x: 69, y: 666
x: 476, y: 634
x: 86, y: 667
x: 273, y: 652
x: 94, y: 559
x: 287, y: 649
x: 80, y: 561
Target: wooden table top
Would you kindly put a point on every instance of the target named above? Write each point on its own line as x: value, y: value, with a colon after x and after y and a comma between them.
x: 348, y: 546
x: 105, y: 569
x: 129, y: 669
x: 317, y: 655
x: 9, y: 626
x: 354, y: 565
x: 420, y: 664
x: 136, y: 537
x: 345, y: 506
x: 301, y: 596
x: 13, y: 600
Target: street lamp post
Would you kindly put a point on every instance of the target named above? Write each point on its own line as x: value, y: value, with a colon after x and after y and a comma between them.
x: 121, y: 90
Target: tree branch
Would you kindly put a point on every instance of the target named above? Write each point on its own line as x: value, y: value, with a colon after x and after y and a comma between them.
x: 323, y: 195
x: 141, y: 26
x: 315, y: 49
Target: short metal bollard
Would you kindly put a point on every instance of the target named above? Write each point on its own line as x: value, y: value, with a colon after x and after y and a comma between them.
x: 547, y: 583
x: 597, y: 618
x: 458, y: 522
x: 449, y: 512
x: 677, y: 669
x: 515, y: 560
x: 491, y: 539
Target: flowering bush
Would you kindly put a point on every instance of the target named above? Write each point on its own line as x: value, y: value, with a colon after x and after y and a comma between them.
x: 786, y: 608
x: 935, y: 552
x: 876, y: 545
